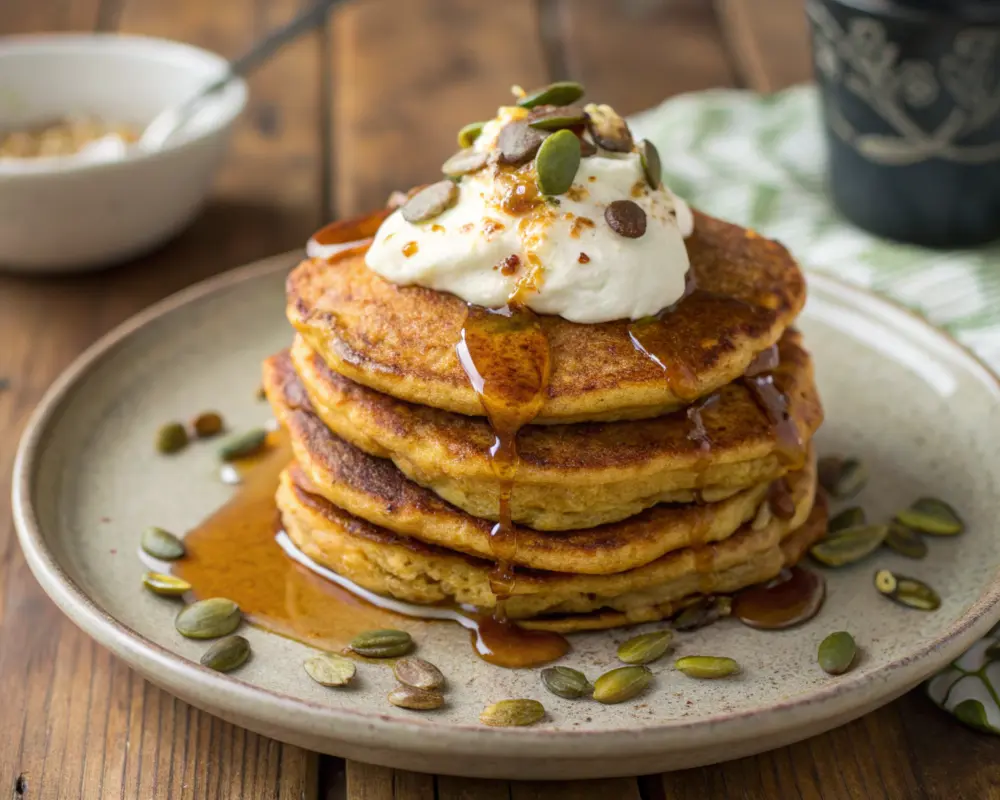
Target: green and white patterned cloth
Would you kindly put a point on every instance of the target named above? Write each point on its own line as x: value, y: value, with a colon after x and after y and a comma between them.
x: 760, y: 161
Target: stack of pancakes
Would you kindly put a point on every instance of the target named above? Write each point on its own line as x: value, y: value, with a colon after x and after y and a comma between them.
x: 667, y: 460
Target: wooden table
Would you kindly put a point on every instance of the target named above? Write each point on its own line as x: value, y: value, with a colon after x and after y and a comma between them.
x: 336, y: 122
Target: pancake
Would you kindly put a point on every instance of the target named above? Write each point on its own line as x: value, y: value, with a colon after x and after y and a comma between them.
x: 410, y: 570
x: 401, y: 340
x: 570, y: 476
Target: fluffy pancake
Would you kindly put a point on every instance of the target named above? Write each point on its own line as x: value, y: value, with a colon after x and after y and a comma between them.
x: 410, y: 570
x: 570, y: 476
x: 401, y: 340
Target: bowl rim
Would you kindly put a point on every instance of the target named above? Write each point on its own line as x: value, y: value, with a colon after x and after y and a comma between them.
x: 231, y: 102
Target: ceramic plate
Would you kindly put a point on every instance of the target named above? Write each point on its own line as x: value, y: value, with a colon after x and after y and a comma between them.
x: 917, y: 407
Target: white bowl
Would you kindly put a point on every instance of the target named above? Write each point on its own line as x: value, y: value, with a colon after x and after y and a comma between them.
x: 70, y: 214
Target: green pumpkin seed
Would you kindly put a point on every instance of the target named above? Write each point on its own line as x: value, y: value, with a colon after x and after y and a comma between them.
x: 932, y: 516
x: 330, y: 669
x: 386, y: 643
x: 609, y: 130
x: 207, y: 424
x: 561, y: 93
x: 557, y: 118
x: 518, y: 143
x: 706, y: 611
x: 837, y: 652
x: 165, y: 585
x: 850, y: 545
x: 645, y: 649
x: 650, y: 159
x: 557, y: 161
x: 418, y: 673
x: 243, y: 444
x: 566, y: 682
x: 509, y: 713
x: 842, y: 477
x: 415, y: 699
x: 226, y: 654
x: 848, y: 518
x: 161, y: 544
x: 430, y: 202
x: 208, y: 619
x: 908, y: 592
x: 905, y: 541
x: 622, y: 684
x: 469, y: 133
x: 171, y: 438
x: 464, y: 162
x: 707, y: 666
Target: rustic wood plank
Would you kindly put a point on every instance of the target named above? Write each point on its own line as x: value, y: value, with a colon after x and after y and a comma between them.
x: 32, y: 16
x: 618, y: 788
x: 768, y: 42
x: 451, y: 788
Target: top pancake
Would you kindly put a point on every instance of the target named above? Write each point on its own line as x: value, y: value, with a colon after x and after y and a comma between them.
x: 401, y: 340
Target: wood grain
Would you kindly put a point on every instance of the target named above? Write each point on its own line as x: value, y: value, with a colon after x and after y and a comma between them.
x: 768, y: 42
x: 31, y: 16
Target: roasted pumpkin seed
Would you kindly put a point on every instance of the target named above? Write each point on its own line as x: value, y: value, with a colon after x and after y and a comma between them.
x: 243, y: 444
x: 837, y: 652
x: 645, y: 649
x: 207, y: 424
x: 557, y: 161
x: 622, y: 684
x: 330, y: 669
x: 469, y: 133
x: 418, y: 673
x: 842, y: 477
x: 464, y: 162
x: 226, y: 654
x: 707, y: 666
x: 848, y: 518
x: 415, y: 699
x: 850, y: 545
x: 905, y: 541
x: 704, y: 612
x: 171, y: 438
x: 650, y: 159
x: 208, y: 619
x: 518, y: 143
x: 161, y: 544
x: 609, y: 130
x: 625, y: 218
x: 908, y: 592
x: 557, y: 117
x: 561, y: 93
x: 932, y: 516
x: 385, y: 643
x: 566, y: 682
x: 509, y: 713
x: 165, y: 585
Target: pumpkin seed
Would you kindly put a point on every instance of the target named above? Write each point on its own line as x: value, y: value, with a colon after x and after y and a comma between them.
x: 508, y: 713
x: 165, y: 585
x: 464, y: 162
x: 430, y: 202
x: 561, y: 93
x: 415, y: 699
x: 621, y: 684
x: 646, y: 648
x: 418, y: 673
x: 905, y: 541
x: 625, y: 218
x: 848, y: 518
x: 650, y: 159
x: 208, y: 619
x: 518, y: 142
x: 226, y: 654
x: 850, y: 545
x: 243, y: 444
x: 707, y: 666
x: 386, y: 643
x: 608, y: 129
x: 842, y: 477
x: 161, y: 544
x: 555, y: 118
x: 908, y: 592
x: 330, y: 669
x: 171, y: 437
x: 836, y: 653
x: 566, y: 682
x: 932, y: 516
x: 207, y: 424
x: 469, y: 133
x: 557, y: 161
x: 706, y: 611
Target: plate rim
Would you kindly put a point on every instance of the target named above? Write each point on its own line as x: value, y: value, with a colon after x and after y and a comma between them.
x: 235, y: 697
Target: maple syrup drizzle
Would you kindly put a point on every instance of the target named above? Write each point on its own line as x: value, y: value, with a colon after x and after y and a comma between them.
x: 698, y: 433
x: 793, y: 597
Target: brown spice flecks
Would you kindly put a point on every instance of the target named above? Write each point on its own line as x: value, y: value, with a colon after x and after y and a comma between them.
x: 468, y: 226
x: 437, y: 228
x: 639, y: 189
x: 584, y: 258
x: 592, y: 178
x: 579, y: 224
x: 577, y: 193
x: 409, y: 249
x: 509, y: 265
x: 492, y: 226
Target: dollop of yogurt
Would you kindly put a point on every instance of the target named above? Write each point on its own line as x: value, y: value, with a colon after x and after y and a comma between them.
x: 502, y: 242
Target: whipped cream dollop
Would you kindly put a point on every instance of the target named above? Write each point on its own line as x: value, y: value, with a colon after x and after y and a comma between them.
x: 503, y: 242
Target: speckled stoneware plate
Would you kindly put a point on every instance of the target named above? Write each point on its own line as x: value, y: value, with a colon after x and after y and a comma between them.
x: 922, y: 411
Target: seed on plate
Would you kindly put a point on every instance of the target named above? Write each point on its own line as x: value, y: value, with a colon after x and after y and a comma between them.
x: 650, y: 159
x: 849, y: 545
x: 464, y: 162
x: 837, y: 652
x: 385, y: 643
x: 165, y: 585
x: 905, y: 541
x: 509, y: 713
x: 415, y: 699
x: 208, y: 619
x: 626, y: 218
x: 704, y: 612
x: 207, y: 424
x: 609, y: 130
x: 430, y: 202
x: 330, y: 669
x: 842, y: 477
x: 707, y: 666
x: 561, y: 93
x: 161, y: 544
x: 932, y: 516
x: 418, y: 673
x: 518, y: 142
x: 646, y: 648
x: 848, y: 518
x: 554, y: 118
x: 557, y: 161
x: 171, y: 437
x: 622, y: 684
x: 566, y: 682
x: 469, y: 133
x: 906, y: 591
x: 243, y: 444
x: 226, y: 654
